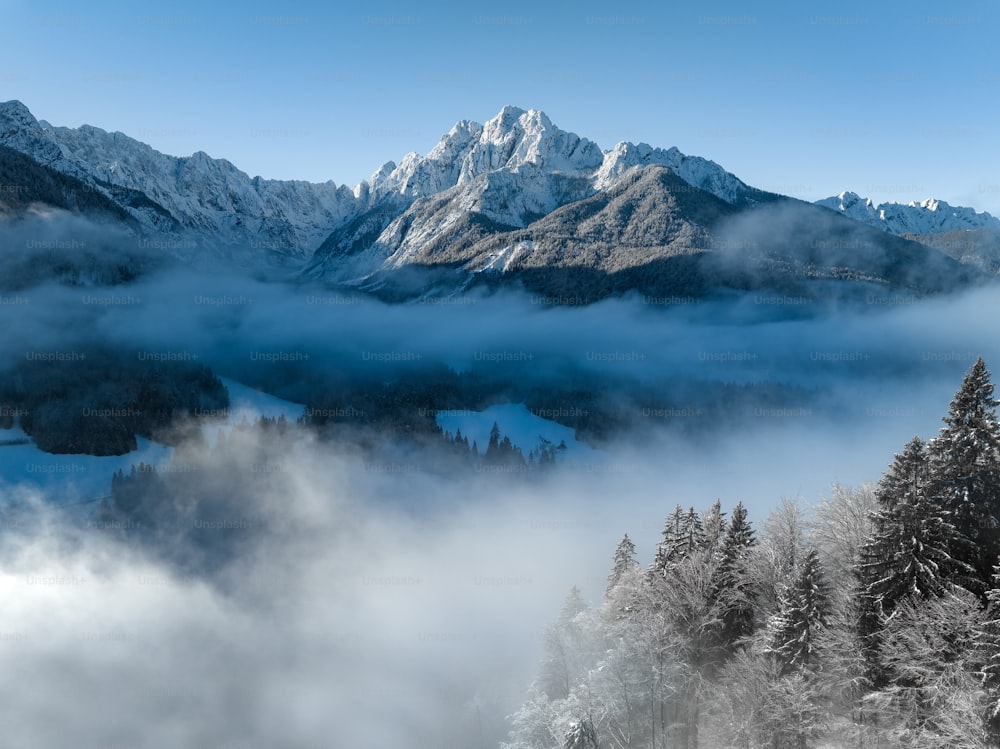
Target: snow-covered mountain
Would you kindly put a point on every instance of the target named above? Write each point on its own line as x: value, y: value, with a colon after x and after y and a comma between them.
x: 649, y: 232
x: 926, y: 217
x: 518, y: 139
x: 208, y: 200
x: 513, y: 169
x: 488, y: 197
x: 480, y: 179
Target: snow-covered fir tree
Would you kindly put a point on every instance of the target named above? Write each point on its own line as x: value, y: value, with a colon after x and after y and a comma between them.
x: 624, y: 561
x: 910, y: 552
x: 965, y: 466
x: 732, y: 587
x: 581, y: 735
x: 683, y: 535
x: 714, y: 526
x: 804, y: 611
x: 876, y: 633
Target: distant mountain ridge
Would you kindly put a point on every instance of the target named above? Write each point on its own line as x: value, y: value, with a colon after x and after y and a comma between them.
x: 206, y: 199
x: 929, y: 216
x: 212, y: 200
x: 514, y: 198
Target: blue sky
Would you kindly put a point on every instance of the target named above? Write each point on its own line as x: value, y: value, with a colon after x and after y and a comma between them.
x: 897, y: 101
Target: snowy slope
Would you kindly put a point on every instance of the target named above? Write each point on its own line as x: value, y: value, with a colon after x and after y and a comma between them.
x: 696, y: 171
x: 524, y: 428
x: 248, y: 404
x: 513, y: 169
x: 929, y: 216
x: 519, y: 140
x: 511, y: 141
x: 479, y: 179
x: 67, y: 478
x: 75, y: 478
x: 208, y: 200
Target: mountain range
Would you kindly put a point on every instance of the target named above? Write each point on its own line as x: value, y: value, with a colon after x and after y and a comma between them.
x: 514, y: 200
x: 929, y: 216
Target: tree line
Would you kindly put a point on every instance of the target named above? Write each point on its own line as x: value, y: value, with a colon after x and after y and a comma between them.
x: 871, y: 621
x: 96, y: 400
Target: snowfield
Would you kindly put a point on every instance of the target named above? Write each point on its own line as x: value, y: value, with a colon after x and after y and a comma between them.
x: 525, y: 429
x: 72, y: 478
x: 84, y: 478
x: 247, y: 403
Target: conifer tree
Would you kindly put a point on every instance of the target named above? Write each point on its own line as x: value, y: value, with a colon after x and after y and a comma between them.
x: 732, y: 590
x: 624, y: 561
x: 909, y: 553
x: 672, y: 527
x: 965, y: 465
x: 683, y: 535
x: 714, y: 524
x: 804, y: 611
x: 581, y: 735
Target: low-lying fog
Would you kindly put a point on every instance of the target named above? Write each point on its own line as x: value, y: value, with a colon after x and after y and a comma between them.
x: 395, y: 608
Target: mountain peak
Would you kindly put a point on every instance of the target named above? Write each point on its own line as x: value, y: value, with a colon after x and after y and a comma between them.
x: 517, y: 137
x: 848, y: 199
x: 13, y: 114
x: 930, y: 216
x: 513, y: 140
x: 507, y: 116
x: 931, y: 204
x: 523, y: 122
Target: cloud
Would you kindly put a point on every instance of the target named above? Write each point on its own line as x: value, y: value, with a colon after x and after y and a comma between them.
x: 372, y: 609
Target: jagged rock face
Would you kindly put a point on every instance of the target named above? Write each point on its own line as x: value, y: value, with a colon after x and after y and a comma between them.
x: 514, y: 194
x: 701, y: 173
x: 511, y: 170
x: 208, y: 199
x: 515, y: 169
x: 650, y: 231
x: 513, y: 140
x: 929, y: 216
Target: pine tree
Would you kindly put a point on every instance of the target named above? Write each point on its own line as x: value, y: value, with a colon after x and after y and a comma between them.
x: 672, y: 528
x: 804, y: 610
x: 572, y: 606
x: 581, y: 735
x: 909, y: 553
x: 693, y: 537
x: 732, y: 590
x: 965, y: 465
x: 683, y: 535
x: 714, y: 524
x: 624, y: 561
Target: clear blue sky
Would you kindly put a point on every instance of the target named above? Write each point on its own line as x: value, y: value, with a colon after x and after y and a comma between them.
x: 897, y: 101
